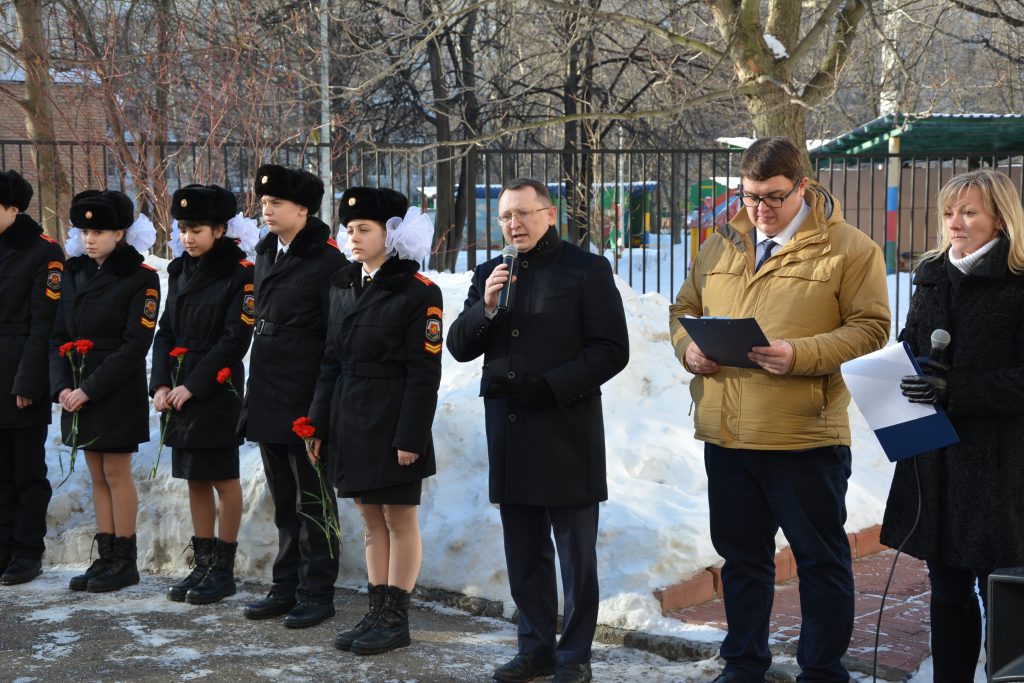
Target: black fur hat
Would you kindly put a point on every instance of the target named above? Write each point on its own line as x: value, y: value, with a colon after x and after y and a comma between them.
x: 14, y: 190
x: 371, y: 203
x: 102, y: 210
x: 292, y: 184
x: 204, y: 203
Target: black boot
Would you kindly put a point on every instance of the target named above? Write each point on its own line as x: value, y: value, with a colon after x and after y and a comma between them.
x: 202, y: 556
x: 105, y: 545
x: 5, y: 559
x: 392, y: 628
x: 956, y: 640
x: 219, y: 581
x: 21, y: 570
x: 122, y: 570
x: 346, y: 638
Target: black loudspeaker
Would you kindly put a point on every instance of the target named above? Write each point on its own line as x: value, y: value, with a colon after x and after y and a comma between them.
x: 1006, y: 625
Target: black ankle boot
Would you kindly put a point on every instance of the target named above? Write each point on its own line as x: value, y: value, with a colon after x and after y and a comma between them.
x: 202, y: 556
x: 105, y: 545
x: 219, y: 581
x: 392, y: 628
x: 122, y: 570
x: 346, y: 638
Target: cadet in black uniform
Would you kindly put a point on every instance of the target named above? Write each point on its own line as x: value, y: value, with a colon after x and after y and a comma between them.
x: 110, y: 298
x: 31, y: 267
x: 376, y: 397
x: 294, y: 264
x: 209, y: 311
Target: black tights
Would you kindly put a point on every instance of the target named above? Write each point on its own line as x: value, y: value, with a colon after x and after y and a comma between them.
x: 956, y: 621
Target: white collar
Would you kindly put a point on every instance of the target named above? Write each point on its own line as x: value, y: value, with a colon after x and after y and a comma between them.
x: 282, y: 248
x: 372, y: 274
x: 783, y: 238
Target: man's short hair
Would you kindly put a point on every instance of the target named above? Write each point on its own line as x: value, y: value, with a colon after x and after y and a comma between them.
x: 519, y: 183
x: 769, y: 157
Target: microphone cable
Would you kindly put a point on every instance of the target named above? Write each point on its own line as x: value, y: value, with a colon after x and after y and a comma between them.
x: 892, y: 570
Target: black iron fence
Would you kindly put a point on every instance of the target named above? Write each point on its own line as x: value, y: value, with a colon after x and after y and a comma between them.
x: 647, y: 210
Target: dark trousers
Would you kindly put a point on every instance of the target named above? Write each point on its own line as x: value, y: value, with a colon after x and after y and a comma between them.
x: 751, y: 495
x: 530, y: 558
x: 303, y: 562
x: 956, y: 620
x: 24, y: 492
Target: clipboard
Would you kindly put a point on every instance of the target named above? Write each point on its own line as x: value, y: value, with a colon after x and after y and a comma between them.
x: 727, y: 341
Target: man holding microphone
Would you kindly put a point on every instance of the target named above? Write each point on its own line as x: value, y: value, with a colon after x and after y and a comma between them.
x: 546, y: 355
x: 777, y: 438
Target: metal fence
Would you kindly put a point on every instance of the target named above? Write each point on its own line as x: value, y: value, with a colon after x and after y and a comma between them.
x: 647, y: 210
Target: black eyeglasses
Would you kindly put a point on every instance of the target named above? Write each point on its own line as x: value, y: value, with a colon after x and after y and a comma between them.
x: 752, y: 200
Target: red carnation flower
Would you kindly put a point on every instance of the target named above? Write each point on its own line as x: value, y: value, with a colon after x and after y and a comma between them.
x: 83, y: 346
x: 303, y: 428
x: 65, y: 348
x: 224, y: 375
x: 178, y: 352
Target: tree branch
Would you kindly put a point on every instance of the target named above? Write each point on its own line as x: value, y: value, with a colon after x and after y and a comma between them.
x: 812, y: 36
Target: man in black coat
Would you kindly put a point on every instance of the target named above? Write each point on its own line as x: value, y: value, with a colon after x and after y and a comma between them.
x: 31, y: 268
x: 294, y: 264
x: 545, y: 359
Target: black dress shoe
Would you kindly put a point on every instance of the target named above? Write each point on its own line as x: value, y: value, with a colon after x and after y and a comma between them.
x: 733, y: 677
x: 278, y: 601
x: 21, y: 570
x: 308, y: 613
x: 573, y: 673
x: 525, y: 667
x: 4, y: 561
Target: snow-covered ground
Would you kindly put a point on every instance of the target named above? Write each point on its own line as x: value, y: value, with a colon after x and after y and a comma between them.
x: 653, y: 531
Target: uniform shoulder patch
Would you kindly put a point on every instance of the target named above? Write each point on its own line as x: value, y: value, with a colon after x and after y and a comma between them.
x: 54, y: 273
x: 150, y: 308
x: 333, y: 243
x: 44, y: 236
x: 147, y: 267
x: 424, y: 279
x: 245, y: 263
x: 248, y: 315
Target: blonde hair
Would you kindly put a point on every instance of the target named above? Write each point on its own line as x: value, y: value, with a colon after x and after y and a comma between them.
x: 1001, y: 199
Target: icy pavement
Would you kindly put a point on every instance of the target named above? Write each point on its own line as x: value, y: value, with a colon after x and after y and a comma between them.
x: 48, y: 633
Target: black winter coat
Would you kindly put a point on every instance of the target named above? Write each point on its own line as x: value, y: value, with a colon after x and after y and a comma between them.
x: 972, y: 514
x: 568, y: 326
x: 31, y: 268
x: 378, y: 382
x: 115, y: 307
x: 209, y: 311
x: 291, y: 325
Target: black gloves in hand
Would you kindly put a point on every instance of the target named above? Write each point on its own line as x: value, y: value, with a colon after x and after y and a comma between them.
x: 925, y: 389
x: 932, y: 367
x: 533, y: 391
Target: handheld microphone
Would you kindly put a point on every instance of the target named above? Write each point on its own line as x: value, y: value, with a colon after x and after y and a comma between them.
x: 508, y: 256
x: 940, y: 340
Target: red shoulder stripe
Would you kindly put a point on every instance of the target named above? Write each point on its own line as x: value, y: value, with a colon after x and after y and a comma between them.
x: 46, y: 237
x: 334, y: 244
x: 148, y: 267
x: 246, y: 263
x: 424, y: 279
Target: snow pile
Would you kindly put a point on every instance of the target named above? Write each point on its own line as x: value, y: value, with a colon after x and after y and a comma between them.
x: 775, y: 45
x: 654, y: 528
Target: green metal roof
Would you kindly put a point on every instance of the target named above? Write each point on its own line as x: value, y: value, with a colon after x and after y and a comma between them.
x: 933, y: 134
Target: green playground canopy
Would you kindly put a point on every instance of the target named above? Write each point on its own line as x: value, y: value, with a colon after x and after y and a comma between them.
x: 933, y: 135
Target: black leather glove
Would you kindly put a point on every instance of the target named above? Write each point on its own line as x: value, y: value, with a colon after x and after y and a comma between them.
x: 534, y: 392
x: 925, y: 389
x: 500, y: 387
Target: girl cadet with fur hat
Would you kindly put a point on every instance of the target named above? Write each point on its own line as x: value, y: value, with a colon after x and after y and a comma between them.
x: 103, y: 331
x: 376, y: 396
x: 209, y: 311
x: 31, y: 267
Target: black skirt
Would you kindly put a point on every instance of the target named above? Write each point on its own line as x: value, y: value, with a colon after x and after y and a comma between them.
x: 399, y: 494
x: 113, y: 450
x: 205, y: 464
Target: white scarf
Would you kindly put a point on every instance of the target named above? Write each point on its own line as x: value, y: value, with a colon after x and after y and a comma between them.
x: 968, y: 263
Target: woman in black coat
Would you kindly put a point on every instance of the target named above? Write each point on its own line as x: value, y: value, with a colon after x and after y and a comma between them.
x: 31, y: 267
x: 209, y: 311
x: 972, y: 493
x: 110, y: 299
x: 375, y: 400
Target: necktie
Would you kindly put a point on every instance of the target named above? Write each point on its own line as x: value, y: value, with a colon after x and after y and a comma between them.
x: 769, y: 246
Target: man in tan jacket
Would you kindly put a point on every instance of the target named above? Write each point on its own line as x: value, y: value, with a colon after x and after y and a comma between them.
x: 777, y: 438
